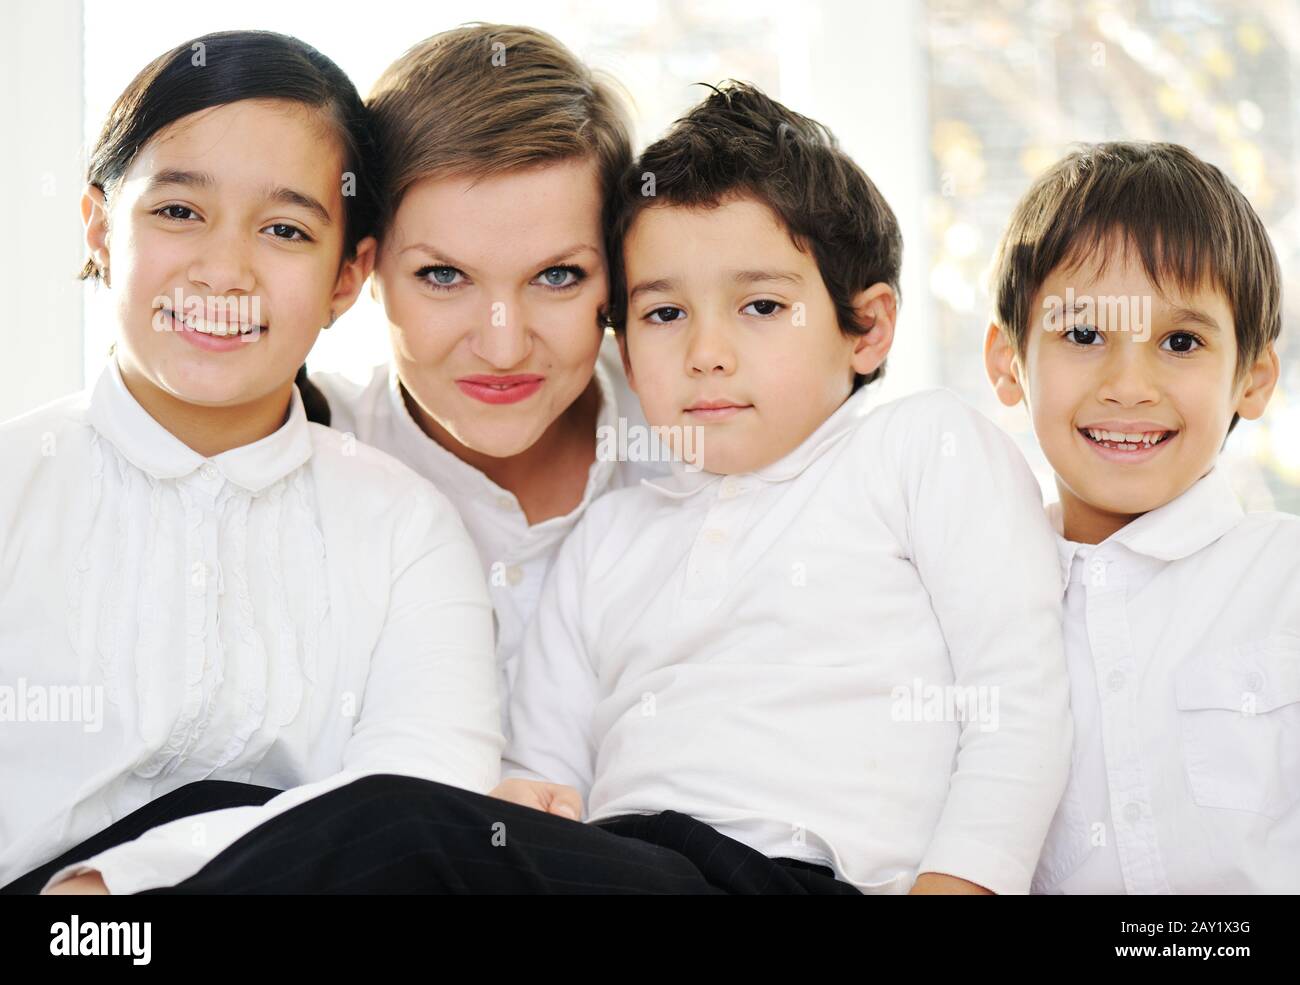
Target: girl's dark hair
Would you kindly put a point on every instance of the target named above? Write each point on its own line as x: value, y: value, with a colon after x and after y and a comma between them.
x: 226, y: 67
x: 739, y: 141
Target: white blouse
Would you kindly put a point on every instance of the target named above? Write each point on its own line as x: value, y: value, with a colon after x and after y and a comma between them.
x: 293, y: 612
x: 516, y: 556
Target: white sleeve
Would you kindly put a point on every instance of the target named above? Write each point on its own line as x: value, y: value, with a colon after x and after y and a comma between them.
x: 987, y: 556
x: 555, y: 691
x: 430, y: 706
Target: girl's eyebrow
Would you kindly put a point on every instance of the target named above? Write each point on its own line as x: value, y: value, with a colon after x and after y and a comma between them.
x: 273, y: 193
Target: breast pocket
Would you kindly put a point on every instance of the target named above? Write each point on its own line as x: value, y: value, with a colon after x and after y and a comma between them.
x: 1240, y: 720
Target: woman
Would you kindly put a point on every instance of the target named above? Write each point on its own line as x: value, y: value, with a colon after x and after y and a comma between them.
x: 500, y: 149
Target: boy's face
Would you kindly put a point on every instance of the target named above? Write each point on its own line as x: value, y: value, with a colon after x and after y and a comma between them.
x: 730, y: 329
x: 1130, y: 390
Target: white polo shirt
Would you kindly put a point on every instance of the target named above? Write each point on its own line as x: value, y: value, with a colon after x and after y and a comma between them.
x: 291, y: 613
x: 1182, y: 635
x: 515, y: 555
x: 774, y: 654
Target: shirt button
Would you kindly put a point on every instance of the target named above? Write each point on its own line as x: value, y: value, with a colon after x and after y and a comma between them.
x: 514, y: 574
x: 1132, y: 812
x: 505, y: 503
x: 1254, y: 681
x: 1116, y: 680
x: 208, y: 471
x: 730, y: 488
x: 715, y: 536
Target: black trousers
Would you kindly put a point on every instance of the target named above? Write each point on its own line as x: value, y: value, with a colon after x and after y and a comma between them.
x: 186, y: 801
x: 399, y: 834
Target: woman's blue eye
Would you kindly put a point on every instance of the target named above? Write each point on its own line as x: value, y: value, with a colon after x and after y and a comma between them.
x: 1082, y: 336
x: 764, y: 306
x: 1182, y: 342
x: 661, y: 316
x: 439, y: 276
x: 559, y: 277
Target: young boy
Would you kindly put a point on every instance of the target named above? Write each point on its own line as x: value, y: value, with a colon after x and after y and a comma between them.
x: 829, y: 662
x: 749, y: 645
x: 1137, y: 306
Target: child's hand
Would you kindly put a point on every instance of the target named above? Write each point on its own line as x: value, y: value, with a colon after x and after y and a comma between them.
x: 86, y: 884
x: 938, y: 884
x: 553, y: 798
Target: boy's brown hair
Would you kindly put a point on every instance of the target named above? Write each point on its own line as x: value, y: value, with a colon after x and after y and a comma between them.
x: 487, y: 99
x: 739, y: 141
x: 1186, y: 222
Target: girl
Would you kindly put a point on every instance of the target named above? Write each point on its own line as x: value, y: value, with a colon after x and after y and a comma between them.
x: 501, y: 149
x: 199, y: 584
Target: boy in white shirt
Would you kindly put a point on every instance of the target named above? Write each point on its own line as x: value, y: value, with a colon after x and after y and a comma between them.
x: 1137, y: 307
x: 829, y: 662
x: 756, y: 645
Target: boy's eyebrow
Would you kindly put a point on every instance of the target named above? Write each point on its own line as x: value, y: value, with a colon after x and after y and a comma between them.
x: 649, y: 287
x: 202, y: 179
x: 1196, y: 316
x: 755, y: 276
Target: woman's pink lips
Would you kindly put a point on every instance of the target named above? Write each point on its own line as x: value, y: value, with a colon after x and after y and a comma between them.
x: 213, y: 343
x: 1127, y: 457
x: 500, y: 389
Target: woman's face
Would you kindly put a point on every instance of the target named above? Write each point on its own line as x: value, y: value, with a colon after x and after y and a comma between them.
x: 224, y: 263
x: 494, y: 289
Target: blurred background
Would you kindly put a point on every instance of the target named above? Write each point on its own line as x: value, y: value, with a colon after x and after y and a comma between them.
x: 952, y: 107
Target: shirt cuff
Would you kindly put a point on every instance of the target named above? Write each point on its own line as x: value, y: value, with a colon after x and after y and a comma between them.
x: 977, y: 862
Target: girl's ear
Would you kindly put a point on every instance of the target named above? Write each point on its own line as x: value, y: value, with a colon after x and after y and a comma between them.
x: 352, y: 277
x: 94, y: 219
x: 1000, y: 365
x: 876, y: 309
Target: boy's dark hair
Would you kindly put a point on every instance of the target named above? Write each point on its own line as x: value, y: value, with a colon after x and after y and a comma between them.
x: 237, y: 65
x: 739, y: 141
x: 1183, y: 218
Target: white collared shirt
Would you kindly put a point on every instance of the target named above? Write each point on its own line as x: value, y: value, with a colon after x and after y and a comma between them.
x: 1182, y: 636
x: 515, y: 555
x: 771, y: 653
x: 291, y: 613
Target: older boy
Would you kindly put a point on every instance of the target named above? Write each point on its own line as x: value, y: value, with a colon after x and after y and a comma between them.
x: 1137, y: 306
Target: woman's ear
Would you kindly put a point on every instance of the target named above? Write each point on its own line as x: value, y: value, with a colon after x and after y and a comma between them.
x: 94, y: 219
x: 352, y: 276
x: 1258, y: 385
x: 875, y: 309
x: 1001, y: 367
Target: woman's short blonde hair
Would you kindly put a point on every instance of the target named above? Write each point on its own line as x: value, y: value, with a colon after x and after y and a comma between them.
x: 486, y: 99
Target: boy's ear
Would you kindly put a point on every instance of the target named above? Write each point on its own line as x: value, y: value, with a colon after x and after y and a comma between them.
x: 352, y: 277
x: 1258, y: 386
x: 627, y: 363
x: 94, y: 219
x: 1000, y: 364
x: 876, y: 307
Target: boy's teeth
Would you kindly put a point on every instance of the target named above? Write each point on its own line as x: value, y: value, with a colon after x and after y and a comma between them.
x: 196, y: 324
x: 1135, y: 438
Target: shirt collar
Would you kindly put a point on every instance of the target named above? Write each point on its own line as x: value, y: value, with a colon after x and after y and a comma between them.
x: 452, y: 473
x: 150, y: 447
x: 1180, y: 528
x: 684, y: 481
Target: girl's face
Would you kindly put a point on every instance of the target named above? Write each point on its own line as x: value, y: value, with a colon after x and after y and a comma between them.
x: 493, y: 289
x: 221, y: 245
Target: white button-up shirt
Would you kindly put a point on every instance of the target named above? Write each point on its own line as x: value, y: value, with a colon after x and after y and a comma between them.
x: 291, y: 613
x: 515, y: 555
x: 774, y: 653
x: 1182, y: 636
